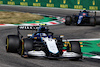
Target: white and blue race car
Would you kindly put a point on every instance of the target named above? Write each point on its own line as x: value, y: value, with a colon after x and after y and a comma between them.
x: 42, y: 43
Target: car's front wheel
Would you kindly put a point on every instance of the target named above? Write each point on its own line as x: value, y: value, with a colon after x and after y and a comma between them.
x: 27, y: 45
x: 74, y: 46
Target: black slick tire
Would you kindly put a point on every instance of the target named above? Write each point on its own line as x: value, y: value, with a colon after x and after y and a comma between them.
x: 27, y: 45
x: 12, y: 43
x: 92, y: 21
x: 74, y: 46
x: 67, y: 20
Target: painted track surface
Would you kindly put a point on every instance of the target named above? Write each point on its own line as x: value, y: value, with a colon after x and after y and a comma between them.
x: 14, y: 60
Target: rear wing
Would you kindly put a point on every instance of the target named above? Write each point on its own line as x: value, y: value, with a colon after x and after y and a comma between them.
x: 93, y: 12
x: 29, y: 28
x: 90, y: 11
x: 25, y: 28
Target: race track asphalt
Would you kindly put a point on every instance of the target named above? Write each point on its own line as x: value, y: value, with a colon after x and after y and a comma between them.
x: 70, y: 32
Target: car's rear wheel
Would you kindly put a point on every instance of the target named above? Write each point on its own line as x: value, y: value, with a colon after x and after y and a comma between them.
x: 92, y: 21
x: 12, y: 43
x: 97, y: 20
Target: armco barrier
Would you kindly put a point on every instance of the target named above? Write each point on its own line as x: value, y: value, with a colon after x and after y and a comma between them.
x: 73, y: 4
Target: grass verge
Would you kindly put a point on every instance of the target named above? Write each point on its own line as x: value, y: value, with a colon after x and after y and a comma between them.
x: 17, y: 17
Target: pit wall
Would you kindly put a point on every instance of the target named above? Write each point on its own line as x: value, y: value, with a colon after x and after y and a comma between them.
x: 72, y: 4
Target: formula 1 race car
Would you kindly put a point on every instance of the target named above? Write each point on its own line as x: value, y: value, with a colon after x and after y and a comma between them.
x: 42, y: 43
x: 82, y: 19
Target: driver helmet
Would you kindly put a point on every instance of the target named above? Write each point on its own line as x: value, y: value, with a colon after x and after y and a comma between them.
x: 84, y: 9
x: 42, y: 29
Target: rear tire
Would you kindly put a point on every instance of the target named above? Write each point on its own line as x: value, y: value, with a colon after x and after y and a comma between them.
x: 97, y: 20
x: 67, y: 20
x: 13, y: 43
x: 92, y: 21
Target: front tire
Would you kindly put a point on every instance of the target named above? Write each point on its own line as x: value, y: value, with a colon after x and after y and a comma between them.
x: 74, y: 46
x: 27, y: 45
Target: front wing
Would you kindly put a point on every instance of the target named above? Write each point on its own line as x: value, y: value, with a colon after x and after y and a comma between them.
x: 64, y: 55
